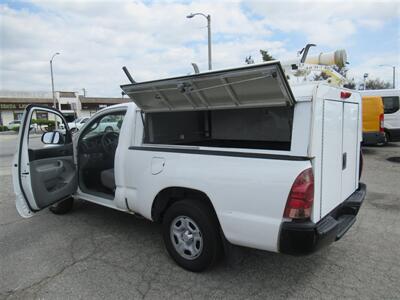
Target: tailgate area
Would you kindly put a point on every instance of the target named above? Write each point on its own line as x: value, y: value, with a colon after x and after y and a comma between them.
x: 302, y: 238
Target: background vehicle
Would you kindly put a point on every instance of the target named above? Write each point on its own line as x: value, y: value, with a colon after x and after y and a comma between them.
x: 373, y: 121
x: 391, y: 102
x: 77, y: 124
x: 236, y: 155
x: 14, y: 124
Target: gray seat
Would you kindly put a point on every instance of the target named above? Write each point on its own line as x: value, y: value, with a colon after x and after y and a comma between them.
x: 108, y: 179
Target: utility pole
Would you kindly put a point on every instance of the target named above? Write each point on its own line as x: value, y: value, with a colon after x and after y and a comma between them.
x: 394, y: 73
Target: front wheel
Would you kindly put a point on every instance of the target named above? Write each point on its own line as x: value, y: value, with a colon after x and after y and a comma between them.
x: 191, y: 235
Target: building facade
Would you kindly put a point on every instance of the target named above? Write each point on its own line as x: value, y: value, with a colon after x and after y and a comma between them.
x: 71, y: 104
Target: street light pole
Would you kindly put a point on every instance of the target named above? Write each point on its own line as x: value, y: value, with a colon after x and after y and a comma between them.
x: 394, y: 77
x: 208, y: 17
x: 394, y: 73
x: 52, y: 79
x: 365, y: 80
x: 209, y: 41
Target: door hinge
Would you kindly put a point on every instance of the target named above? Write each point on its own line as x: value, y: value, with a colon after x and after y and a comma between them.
x: 344, y: 161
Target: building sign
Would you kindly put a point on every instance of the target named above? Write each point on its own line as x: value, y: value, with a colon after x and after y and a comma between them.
x: 17, y: 106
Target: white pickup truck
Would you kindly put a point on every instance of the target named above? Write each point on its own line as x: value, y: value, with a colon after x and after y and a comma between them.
x: 234, y: 156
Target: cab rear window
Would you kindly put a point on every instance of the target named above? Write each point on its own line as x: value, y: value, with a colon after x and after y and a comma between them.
x: 391, y: 104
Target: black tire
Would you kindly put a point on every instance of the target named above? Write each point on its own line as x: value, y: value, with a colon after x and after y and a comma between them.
x: 386, y: 140
x: 62, y: 207
x: 208, y: 225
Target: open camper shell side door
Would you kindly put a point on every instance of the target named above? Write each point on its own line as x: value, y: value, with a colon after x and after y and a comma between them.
x: 43, y: 168
x: 262, y: 85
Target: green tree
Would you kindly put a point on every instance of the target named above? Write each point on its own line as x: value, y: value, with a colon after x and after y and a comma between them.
x: 249, y: 60
x: 350, y: 84
x: 266, y: 56
x: 321, y: 76
x: 341, y: 70
x: 377, y: 84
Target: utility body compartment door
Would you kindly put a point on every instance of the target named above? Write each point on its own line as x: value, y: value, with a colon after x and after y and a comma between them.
x: 340, y: 152
x: 43, y: 170
x: 331, y: 155
x: 350, y: 149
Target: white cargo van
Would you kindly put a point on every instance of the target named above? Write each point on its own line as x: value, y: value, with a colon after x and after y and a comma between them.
x: 234, y: 155
x: 391, y: 103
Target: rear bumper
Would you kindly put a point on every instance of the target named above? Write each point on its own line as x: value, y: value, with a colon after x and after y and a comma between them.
x: 394, y: 134
x: 373, y: 138
x: 301, y: 238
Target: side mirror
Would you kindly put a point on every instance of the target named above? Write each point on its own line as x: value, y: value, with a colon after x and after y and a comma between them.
x: 53, y: 137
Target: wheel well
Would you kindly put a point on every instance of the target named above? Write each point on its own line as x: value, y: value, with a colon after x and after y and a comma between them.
x: 167, y: 196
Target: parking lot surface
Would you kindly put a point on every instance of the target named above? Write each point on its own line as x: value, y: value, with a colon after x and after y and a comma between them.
x: 95, y: 252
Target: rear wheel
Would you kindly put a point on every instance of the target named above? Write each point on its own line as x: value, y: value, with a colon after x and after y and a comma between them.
x: 191, y: 235
x: 385, y: 140
x: 62, y: 207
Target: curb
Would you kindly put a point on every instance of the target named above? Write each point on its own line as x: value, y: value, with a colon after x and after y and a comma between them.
x: 9, y: 132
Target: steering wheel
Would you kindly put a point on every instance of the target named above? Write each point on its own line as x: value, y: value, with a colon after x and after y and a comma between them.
x: 109, y: 142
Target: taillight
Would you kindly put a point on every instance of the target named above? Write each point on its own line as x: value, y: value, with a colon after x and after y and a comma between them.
x: 345, y: 95
x: 301, y: 196
x: 381, y: 122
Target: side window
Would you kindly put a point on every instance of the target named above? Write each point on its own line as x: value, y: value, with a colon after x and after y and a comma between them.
x: 391, y: 104
x: 42, y: 130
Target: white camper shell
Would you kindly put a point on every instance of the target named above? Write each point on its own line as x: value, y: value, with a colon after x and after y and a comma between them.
x: 235, y: 155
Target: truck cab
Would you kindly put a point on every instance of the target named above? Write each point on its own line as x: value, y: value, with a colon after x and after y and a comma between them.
x: 235, y: 155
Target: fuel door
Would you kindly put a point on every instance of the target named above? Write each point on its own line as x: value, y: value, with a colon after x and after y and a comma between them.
x: 157, y: 165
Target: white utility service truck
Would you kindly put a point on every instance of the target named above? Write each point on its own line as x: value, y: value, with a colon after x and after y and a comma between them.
x: 234, y: 155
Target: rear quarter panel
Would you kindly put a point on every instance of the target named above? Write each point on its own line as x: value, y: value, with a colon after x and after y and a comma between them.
x: 248, y: 194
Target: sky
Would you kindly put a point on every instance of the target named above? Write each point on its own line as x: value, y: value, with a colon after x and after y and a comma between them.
x: 154, y: 39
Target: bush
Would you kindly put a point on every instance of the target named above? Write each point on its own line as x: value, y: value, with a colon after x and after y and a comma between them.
x: 42, y: 122
x: 3, y: 128
x: 45, y: 123
x: 16, y: 128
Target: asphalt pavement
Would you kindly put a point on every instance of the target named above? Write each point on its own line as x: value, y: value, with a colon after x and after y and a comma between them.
x: 96, y: 252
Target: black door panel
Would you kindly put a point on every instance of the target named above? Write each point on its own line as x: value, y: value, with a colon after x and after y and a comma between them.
x: 51, y: 151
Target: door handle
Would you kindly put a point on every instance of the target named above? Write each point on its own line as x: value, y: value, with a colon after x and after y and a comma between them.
x: 344, y: 161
